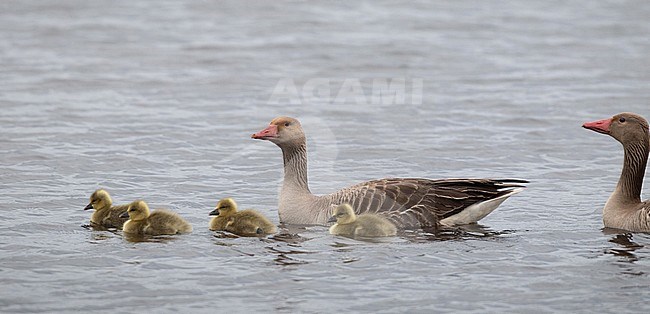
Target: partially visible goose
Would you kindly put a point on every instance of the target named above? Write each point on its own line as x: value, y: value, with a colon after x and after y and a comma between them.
x: 409, y: 203
x: 245, y: 223
x: 365, y: 225
x: 105, y: 215
x: 624, y: 208
x: 161, y: 221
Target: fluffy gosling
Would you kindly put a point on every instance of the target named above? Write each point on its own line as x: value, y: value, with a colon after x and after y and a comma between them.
x: 366, y: 225
x: 160, y: 222
x: 105, y: 215
x: 244, y: 223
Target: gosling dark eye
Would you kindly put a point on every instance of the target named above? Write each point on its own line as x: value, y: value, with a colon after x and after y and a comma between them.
x: 621, y: 120
x: 287, y: 124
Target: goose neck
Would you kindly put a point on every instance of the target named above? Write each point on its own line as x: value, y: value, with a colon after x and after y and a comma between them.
x: 631, y: 180
x: 295, y: 168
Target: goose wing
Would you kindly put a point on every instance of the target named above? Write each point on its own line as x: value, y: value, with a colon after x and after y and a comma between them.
x: 416, y: 203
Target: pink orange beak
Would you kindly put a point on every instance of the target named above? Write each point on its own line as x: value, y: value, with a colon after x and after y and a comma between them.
x: 600, y: 126
x: 269, y: 133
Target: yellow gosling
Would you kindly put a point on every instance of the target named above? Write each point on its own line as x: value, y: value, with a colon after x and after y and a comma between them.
x: 366, y: 225
x: 105, y: 215
x: 244, y: 223
x: 159, y: 222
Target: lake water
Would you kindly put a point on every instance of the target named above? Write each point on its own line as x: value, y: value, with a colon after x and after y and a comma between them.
x: 157, y: 100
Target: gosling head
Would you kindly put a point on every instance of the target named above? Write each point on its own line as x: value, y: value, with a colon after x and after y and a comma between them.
x: 282, y: 131
x: 138, y: 210
x: 100, y: 199
x: 627, y: 128
x: 225, y: 207
x: 343, y: 214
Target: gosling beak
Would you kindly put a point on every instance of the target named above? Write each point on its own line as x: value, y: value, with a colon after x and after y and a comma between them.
x: 215, y: 212
x: 332, y: 219
x: 89, y: 206
x: 124, y: 215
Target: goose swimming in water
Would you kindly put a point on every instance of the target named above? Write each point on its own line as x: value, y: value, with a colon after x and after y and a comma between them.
x: 245, y: 223
x: 105, y: 215
x: 410, y: 203
x: 365, y: 225
x: 624, y: 208
x: 159, y: 222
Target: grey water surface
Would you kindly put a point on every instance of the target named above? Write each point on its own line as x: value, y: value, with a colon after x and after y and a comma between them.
x: 157, y: 100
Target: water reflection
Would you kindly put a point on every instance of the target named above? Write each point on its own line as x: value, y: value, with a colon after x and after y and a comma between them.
x: 285, y: 235
x: 287, y: 243
x: 627, y: 246
x: 100, y: 236
x: 137, y: 238
x: 96, y: 227
x: 452, y: 233
x: 285, y: 258
x: 225, y: 235
x: 99, y: 233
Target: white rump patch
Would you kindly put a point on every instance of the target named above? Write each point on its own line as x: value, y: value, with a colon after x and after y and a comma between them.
x: 478, y: 211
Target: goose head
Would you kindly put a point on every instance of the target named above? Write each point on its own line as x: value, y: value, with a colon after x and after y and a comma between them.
x: 225, y: 207
x: 626, y: 127
x: 343, y: 214
x: 138, y: 210
x: 282, y: 131
x: 99, y: 199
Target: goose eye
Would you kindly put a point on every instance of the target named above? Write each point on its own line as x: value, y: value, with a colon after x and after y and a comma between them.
x: 287, y: 124
x: 621, y: 120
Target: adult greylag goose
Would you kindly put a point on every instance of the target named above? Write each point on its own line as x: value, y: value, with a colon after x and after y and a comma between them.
x: 105, y: 215
x: 365, y: 225
x: 624, y: 208
x: 410, y: 203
